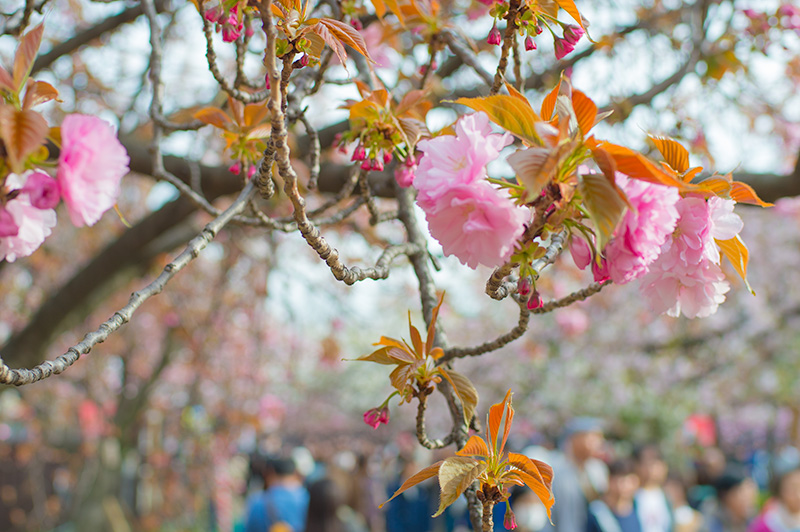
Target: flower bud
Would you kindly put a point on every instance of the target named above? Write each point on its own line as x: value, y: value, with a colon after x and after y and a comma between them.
x: 509, y: 520
x: 235, y: 168
x: 524, y: 286
x: 377, y: 165
x: 494, y: 36
x: 356, y: 23
x: 563, y: 48
x: 214, y: 14
x: 366, y: 165
x: 534, y: 302
x: 42, y: 190
x: 304, y: 60
x: 249, y: 32
x: 529, y: 44
x: 359, y: 154
x: 375, y: 416
x: 8, y: 227
x: 572, y: 34
x: 387, y: 157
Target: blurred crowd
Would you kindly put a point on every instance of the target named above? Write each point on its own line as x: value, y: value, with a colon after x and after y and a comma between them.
x: 599, y: 486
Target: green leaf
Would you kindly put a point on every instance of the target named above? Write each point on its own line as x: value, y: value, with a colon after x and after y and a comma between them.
x: 605, y: 203
x: 455, y: 475
x: 425, y: 474
x: 509, y: 112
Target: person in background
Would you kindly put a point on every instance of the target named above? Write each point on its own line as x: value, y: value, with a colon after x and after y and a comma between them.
x: 284, y: 503
x: 412, y: 509
x: 782, y: 514
x: 580, y: 476
x: 615, y: 511
x: 735, y: 502
x: 327, y: 511
x: 652, y: 505
x: 685, y: 518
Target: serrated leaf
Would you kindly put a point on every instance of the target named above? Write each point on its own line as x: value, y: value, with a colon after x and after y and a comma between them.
x: 380, y: 356
x: 512, y: 114
x: 400, y: 376
x: 638, y: 166
x: 605, y: 204
x: 416, y: 339
x: 414, y: 130
x: 535, y: 167
x: 455, y: 475
x: 676, y: 156
x: 401, y: 356
x: 259, y: 132
x: 570, y: 7
x: 465, y: 391
x: 22, y: 132
x: 718, y: 185
x: 38, y: 92
x: 549, y: 103
x: 585, y: 111
x: 737, y: 253
x: 421, y: 476
x: 26, y: 53
x: 214, y: 116
x: 744, y: 193
x: 475, y: 446
x: 432, y: 328
x: 336, y: 31
x: 6, y: 81
x: 497, y: 413
x: 542, y: 491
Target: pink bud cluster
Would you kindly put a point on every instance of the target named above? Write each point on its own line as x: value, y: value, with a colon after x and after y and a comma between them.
x: 564, y: 46
x: 471, y: 219
x: 91, y: 164
x: 227, y: 23
x: 375, y: 416
x: 374, y: 160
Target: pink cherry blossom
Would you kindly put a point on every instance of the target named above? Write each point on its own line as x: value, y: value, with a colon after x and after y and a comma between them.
x: 375, y: 416
x: 694, y: 291
x: 476, y: 224
x: 42, y: 190
x: 8, y: 227
x: 572, y: 34
x: 638, y: 239
x: 580, y: 251
x: 460, y: 159
x: 724, y: 224
x: 90, y: 167
x: 34, y: 225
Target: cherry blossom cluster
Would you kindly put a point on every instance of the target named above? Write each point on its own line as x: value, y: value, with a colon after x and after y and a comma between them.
x: 670, y: 243
x: 228, y: 23
x: 469, y: 217
x: 91, y: 164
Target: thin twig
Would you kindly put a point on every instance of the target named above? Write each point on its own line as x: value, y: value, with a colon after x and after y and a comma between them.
x: 20, y: 377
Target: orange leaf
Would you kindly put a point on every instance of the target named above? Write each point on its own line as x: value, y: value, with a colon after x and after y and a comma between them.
x: 549, y: 103
x: 535, y: 167
x: 336, y: 33
x: 380, y: 356
x: 432, y: 327
x: 425, y: 474
x: 255, y: 113
x: 214, y: 116
x: 585, y: 111
x: 737, y: 253
x: 638, y: 166
x: 676, y: 155
x: 6, y: 82
x: 475, y: 446
x: 23, y: 132
x: 744, y: 193
x: 455, y: 475
x: 465, y: 391
x: 718, y: 185
x: 606, y: 204
x: 259, y: 132
x: 401, y: 355
x: 544, y: 493
x: 509, y: 112
x: 496, y: 414
x: 38, y: 92
x: 26, y: 53
x: 416, y: 338
x: 569, y: 7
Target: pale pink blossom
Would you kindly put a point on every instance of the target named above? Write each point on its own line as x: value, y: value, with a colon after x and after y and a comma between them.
x: 476, y: 224
x: 788, y: 206
x: 724, y: 224
x: 580, y: 251
x: 8, y: 227
x: 90, y: 167
x: 572, y: 321
x: 694, y: 291
x: 641, y: 233
x: 34, y: 225
x: 456, y: 160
